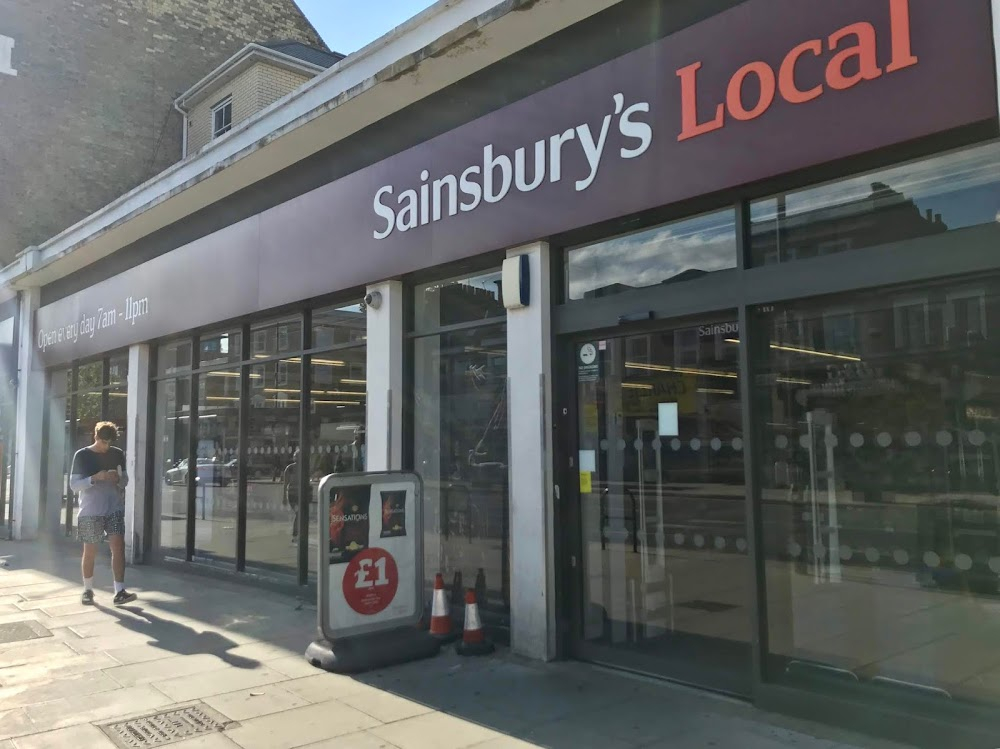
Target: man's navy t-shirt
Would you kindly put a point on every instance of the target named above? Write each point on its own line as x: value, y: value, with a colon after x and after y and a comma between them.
x: 104, y: 497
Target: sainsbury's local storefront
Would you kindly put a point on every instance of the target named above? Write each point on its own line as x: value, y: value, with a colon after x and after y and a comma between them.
x: 740, y: 433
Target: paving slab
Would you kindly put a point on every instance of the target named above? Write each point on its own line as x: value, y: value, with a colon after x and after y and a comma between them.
x: 294, y: 667
x: 254, y: 703
x: 505, y: 742
x: 208, y: 741
x: 301, y: 727
x: 15, y: 723
x: 75, y: 737
x: 59, y: 604
x: 81, y: 685
x: 361, y: 740
x: 35, y: 651
x: 94, y: 708
x: 165, y: 669
x: 435, y: 731
x: 325, y: 687
x: 385, y: 706
x: 128, y: 656
x: 58, y: 666
x: 223, y: 681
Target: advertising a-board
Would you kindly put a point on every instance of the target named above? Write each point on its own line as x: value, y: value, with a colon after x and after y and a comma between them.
x: 371, y: 566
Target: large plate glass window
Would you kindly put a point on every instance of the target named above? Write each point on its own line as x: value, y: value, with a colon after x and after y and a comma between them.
x: 879, y: 462
x: 460, y: 437
x: 680, y: 251
x: 955, y: 192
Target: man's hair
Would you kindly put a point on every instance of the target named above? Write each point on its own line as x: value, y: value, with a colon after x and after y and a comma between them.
x: 106, y: 430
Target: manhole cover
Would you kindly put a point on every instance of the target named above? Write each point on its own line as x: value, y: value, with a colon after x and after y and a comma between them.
x: 165, y: 728
x: 24, y: 630
x: 712, y: 607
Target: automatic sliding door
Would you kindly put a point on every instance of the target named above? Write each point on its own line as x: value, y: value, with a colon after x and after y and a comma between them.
x: 664, y: 548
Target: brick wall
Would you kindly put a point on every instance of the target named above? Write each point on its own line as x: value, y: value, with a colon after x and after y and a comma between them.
x: 254, y: 89
x: 89, y: 115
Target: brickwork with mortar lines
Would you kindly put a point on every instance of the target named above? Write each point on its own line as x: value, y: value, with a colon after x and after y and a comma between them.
x: 90, y: 114
x: 254, y: 89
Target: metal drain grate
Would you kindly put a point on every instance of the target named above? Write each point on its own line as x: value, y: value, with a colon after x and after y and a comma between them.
x: 165, y: 728
x: 712, y: 607
x: 23, y: 630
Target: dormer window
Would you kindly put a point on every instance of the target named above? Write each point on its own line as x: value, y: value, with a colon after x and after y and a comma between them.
x: 222, y: 117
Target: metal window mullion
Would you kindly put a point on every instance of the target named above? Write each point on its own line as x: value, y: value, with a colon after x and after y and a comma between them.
x: 755, y: 551
x: 67, y: 451
x: 148, y: 527
x: 242, y: 467
x: 11, y: 443
x: 105, y: 385
x: 192, y: 483
x: 305, y: 408
x: 458, y: 327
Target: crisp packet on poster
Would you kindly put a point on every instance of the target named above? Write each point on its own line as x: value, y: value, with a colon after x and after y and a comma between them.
x: 349, y: 522
x: 393, y: 514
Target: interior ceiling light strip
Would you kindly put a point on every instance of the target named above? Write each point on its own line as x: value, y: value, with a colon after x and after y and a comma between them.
x: 808, y: 351
x: 680, y: 370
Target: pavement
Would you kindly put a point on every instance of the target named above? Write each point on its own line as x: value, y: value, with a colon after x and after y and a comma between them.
x: 233, y: 654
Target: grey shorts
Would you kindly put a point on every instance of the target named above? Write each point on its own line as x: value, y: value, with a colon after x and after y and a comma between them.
x: 92, y: 530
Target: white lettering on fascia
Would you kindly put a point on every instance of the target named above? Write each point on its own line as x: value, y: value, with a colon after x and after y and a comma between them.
x: 6, y: 56
x: 91, y: 324
x: 499, y: 174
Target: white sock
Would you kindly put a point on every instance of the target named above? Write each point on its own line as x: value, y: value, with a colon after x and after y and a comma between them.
x: 88, y: 583
x: 119, y: 586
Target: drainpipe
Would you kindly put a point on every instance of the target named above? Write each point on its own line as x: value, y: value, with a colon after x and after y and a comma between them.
x: 184, y: 128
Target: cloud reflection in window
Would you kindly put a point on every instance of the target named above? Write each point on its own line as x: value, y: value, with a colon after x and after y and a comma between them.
x: 675, y: 252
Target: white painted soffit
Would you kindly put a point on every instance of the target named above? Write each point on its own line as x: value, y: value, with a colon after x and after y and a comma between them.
x: 437, y: 48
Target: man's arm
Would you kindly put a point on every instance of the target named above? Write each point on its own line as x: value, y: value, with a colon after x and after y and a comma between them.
x: 79, y: 475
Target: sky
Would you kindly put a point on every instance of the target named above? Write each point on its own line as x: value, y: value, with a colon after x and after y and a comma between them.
x: 348, y: 25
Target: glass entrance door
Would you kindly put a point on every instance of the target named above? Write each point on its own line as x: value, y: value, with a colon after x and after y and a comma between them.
x: 666, y: 585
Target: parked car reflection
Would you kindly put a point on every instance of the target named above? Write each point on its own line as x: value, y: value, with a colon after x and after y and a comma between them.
x: 209, y: 472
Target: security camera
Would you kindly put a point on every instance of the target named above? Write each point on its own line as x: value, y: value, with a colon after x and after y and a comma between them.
x: 373, y: 300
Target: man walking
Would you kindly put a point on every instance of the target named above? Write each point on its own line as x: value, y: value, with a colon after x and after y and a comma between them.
x: 98, y: 476
x: 290, y: 482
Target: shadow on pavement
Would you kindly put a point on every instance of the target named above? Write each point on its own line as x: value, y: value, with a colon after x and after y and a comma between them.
x: 178, y: 638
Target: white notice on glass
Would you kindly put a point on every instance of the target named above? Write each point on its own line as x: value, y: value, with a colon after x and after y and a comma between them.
x: 668, y: 419
x: 588, y: 461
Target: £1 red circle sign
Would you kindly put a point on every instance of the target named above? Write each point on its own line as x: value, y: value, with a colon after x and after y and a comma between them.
x: 371, y: 581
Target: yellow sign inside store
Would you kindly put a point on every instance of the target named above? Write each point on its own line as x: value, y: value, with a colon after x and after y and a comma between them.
x: 586, y: 482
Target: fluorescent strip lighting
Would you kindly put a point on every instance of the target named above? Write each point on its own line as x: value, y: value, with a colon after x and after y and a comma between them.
x: 809, y: 351
x: 636, y: 386
x: 716, y: 392
x: 791, y: 381
x: 323, y: 362
x: 681, y: 370
x: 338, y: 403
x: 355, y: 382
x: 813, y: 352
x: 296, y: 391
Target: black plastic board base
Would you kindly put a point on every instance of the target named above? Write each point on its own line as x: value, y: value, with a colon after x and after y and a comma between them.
x: 474, y: 648
x: 354, y: 655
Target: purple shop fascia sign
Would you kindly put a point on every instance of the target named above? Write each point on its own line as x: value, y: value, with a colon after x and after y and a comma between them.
x: 763, y: 89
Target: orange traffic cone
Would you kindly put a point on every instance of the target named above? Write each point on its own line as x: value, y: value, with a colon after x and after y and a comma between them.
x: 474, y: 640
x: 440, y: 616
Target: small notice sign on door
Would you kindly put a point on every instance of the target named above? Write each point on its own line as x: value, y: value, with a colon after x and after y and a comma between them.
x: 588, y: 365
